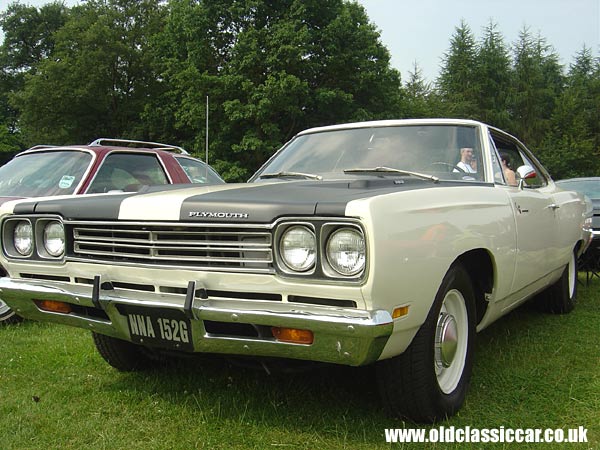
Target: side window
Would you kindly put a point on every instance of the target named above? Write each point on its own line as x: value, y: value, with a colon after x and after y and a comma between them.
x: 540, y: 179
x: 127, y: 172
x: 198, y: 172
x: 512, y: 156
x: 497, y: 166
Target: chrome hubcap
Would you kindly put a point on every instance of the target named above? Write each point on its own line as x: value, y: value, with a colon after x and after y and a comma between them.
x: 4, y: 309
x: 446, y: 340
x: 451, y: 341
x: 572, y: 276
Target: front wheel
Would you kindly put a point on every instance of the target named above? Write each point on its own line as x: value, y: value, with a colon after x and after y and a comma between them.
x: 8, y: 315
x: 429, y: 381
x: 125, y: 356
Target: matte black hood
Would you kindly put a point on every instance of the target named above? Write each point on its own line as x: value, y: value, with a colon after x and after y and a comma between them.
x: 255, y: 202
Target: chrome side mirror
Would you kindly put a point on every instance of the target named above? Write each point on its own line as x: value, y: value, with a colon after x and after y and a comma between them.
x: 523, y: 173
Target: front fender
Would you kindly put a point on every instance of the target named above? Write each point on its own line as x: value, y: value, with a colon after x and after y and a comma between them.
x: 413, y: 239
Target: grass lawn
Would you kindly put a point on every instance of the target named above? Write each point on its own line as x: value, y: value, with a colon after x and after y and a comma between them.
x: 531, y: 371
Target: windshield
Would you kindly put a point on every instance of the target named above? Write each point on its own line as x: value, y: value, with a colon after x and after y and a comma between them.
x: 448, y: 152
x: 43, y: 174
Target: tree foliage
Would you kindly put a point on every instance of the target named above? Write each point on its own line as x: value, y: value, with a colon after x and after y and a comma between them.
x: 457, y: 82
x: 98, y: 78
x: 493, y: 78
x: 144, y: 70
x: 269, y: 70
x: 28, y: 40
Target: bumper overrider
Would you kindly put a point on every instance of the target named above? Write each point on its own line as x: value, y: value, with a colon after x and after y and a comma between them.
x: 240, y: 327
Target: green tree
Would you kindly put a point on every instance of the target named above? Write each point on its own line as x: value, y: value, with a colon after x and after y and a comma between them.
x: 457, y: 83
x: 421, y: 98
x: 493, y: 78
x: 99, y: 77
x: 570, y: 148
x: 270, y: 69
x: 29, y: 34
x: 28, y: 39
x: 537, y: 83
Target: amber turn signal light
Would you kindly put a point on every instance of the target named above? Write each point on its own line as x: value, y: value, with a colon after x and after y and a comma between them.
x: 399, y: 312
x: 54, y: 306
x: 293, y: 335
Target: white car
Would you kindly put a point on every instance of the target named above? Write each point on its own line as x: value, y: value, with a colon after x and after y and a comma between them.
x: 364, y: 243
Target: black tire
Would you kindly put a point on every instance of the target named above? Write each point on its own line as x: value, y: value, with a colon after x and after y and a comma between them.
x: 8, y: 315
x: 125, y: 356
x: 427, y: 383
x: 561, y: 297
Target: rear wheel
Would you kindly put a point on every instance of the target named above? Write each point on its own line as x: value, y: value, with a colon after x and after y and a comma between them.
x: 429, y: 381
x: 560, y: 298
x: 125, y: 356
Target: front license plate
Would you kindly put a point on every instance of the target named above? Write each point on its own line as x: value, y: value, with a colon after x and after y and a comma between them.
x: 158, y: 327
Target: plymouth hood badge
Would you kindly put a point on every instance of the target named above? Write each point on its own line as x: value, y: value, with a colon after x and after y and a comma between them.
x: 217, y: 215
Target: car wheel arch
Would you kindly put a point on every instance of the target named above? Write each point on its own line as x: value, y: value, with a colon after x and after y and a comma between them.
x: 479, y: 264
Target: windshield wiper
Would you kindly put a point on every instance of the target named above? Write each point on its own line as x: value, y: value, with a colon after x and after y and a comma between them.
x: 392, y: 170
x: 284, y: 174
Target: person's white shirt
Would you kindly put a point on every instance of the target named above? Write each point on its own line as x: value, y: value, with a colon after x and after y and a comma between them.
x: 464, y: 167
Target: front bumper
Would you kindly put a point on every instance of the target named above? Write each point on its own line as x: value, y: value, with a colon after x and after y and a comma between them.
x: 341, y: 335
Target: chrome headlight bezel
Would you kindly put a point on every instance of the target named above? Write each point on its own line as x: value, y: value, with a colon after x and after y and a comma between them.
x: 323, y: 229
x: 23, y: 231
x: 52, y: 237
x: 351, y: 237
x: 41, y: 248
x: 304, y: 236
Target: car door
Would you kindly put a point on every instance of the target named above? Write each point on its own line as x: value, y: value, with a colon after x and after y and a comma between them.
x: 535, y: 218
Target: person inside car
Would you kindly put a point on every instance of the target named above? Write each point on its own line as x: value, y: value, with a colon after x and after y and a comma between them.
x: 467, y: 163
x: 509, y: 174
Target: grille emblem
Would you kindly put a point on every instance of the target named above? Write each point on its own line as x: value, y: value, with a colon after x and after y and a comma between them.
x: 217, y: 215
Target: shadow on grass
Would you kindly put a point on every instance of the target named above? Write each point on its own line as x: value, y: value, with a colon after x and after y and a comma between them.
x: 515, y: 383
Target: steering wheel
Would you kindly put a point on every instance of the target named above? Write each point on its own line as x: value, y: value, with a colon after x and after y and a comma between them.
x: 451, y: 166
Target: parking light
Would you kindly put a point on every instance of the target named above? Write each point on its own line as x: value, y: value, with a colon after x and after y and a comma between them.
x: 54, y: 306
x: 293, y: 335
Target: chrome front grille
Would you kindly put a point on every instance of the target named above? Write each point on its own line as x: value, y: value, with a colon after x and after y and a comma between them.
x: 207, y: 246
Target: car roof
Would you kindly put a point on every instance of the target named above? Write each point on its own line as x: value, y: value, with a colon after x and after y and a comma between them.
x: 105, y: 145
x: 390, y: 123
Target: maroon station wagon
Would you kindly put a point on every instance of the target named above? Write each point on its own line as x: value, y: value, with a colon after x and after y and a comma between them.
x: 105, y: 165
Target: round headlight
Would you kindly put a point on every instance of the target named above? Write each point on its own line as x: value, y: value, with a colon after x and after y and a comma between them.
x: 54, y: 238
x: 346, y: 251
x: 298, y: 248
x: 23, y: 238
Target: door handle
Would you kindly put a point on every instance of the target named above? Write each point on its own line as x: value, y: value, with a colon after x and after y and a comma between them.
x: 553, y: 206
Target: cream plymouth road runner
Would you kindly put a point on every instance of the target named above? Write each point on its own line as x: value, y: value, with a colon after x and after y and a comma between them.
x: 389, y: 242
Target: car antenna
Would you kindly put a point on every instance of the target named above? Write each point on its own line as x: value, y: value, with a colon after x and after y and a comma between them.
x: 206, y: 168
